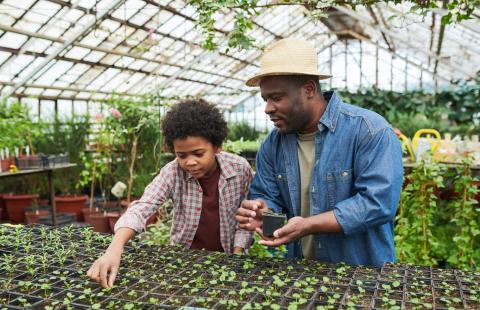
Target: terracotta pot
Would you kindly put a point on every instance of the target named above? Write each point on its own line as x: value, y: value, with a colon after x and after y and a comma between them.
x: 99, y: 222
x: 109, y: 204
x: 5, y: 164
x: 32, y: 216
x: 112, y: 220
x: 87, y: 212
x: 43, y: 202
x: 15, y: 205
x: 477, y: 184
x: 71, y: 204
x: 2, y: 206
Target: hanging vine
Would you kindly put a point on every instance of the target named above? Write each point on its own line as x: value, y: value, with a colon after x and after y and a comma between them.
x: 465, y: 218
x: 246, y: 10
x: 413, y: 231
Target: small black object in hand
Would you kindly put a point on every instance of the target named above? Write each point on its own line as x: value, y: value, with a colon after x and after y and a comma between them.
x: 272, y: 222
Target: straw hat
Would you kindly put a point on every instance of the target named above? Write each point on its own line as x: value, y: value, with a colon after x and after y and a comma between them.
x: 288, y: 57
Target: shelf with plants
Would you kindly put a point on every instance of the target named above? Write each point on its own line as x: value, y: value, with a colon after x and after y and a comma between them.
x: 43, y: 267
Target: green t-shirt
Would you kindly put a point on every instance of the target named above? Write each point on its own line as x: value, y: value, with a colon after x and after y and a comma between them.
x: 306, y: 160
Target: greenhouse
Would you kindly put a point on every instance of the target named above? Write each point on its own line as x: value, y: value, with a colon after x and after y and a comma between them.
x: 239, y: 154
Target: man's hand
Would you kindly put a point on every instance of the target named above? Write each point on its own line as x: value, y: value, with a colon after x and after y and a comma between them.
x: 108, y: 263
x: 250, y: 214
x: 296, y: 228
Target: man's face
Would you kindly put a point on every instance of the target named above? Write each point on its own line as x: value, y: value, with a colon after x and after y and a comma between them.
x: 196, y: 155
x: 285, y: 104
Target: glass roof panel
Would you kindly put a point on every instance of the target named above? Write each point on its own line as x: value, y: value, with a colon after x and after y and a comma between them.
x: 137, y: 31
x: 12, y: 40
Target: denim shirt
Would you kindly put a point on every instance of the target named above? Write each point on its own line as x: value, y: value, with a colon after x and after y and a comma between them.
x: 358, y: 174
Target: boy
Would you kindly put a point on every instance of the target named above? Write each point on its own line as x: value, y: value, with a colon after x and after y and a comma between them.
x: 205, y: 184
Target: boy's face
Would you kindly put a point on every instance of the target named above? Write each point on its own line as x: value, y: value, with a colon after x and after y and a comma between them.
x: 196, y: 155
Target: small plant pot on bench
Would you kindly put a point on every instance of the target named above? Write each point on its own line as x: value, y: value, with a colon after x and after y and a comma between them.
x: 272, y: 222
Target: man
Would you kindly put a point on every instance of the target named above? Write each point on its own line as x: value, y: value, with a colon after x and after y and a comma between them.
x: 335, y: 169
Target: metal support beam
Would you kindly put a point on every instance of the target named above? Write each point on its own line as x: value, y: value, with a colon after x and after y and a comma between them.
x: 376, y: 66
x: 104, y: 50
x: 99, y: 64
x: 391, y: 71
x: 138, y: 27
x: 330, y: 63
x: 112, y: 6
x: 432, y: 35
x: 5, y: 83
x: 361, y: 61
x: 406, y: 75
x: 391, y: 47
x: 378, y: 46
x: 441, y: 35
x: 398, y: 37
x: 346, y: 64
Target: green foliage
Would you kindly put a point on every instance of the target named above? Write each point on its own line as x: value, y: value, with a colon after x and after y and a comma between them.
x: 259, y: 250
x: 465, y: 217
x: 246, y: 10
x: 17, y: 129
x: 68, y: 135
x: 158, y: 233
x: 241, y: 131
x: 413, y: 231
x: 455, y: 110
x: 139, y: 140
x: 432, y: 228
x: 239, y: 146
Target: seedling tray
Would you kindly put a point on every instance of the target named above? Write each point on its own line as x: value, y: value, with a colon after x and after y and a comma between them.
x: 45, y: 268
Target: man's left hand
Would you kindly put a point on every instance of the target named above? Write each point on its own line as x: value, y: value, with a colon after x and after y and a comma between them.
x: 296, y: 228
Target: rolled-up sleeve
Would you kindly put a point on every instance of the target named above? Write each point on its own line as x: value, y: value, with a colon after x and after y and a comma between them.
x: 378, y: 175
x: 155, y: 194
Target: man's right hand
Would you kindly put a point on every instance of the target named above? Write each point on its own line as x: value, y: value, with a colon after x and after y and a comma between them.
x: 107, y: 264
x: 250, y: 214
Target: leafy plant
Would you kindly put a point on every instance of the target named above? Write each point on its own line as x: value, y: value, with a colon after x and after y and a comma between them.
x: 413, y: 230
x: 465, y: 216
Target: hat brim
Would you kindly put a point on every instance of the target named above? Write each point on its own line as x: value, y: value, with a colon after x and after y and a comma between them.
x: 255, y: 80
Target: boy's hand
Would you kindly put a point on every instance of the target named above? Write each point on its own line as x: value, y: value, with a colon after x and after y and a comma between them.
x: 108, y: 263
x: 250, y: 214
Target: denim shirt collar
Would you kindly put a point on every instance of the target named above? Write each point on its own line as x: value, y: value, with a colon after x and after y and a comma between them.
x: 330, y: 116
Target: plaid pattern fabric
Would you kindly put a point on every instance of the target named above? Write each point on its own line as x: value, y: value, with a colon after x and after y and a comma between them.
x: 185, y: 191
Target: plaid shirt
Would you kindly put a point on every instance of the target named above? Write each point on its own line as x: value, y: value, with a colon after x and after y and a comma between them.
x: 185, y: 191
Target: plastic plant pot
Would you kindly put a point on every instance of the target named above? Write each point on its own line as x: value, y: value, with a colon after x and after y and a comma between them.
x: 272, y: 222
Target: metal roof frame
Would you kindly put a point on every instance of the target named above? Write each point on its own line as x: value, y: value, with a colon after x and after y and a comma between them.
x: 150, y: 51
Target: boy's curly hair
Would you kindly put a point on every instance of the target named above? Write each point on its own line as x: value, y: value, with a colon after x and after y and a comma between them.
x: 194, y: 118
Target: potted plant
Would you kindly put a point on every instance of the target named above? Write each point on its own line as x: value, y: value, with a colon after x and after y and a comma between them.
x: 15, y: 206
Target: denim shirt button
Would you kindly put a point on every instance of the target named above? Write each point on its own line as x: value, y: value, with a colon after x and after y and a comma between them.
x: 279, y: 177
x: 345, y: 173
x: 319, y: 245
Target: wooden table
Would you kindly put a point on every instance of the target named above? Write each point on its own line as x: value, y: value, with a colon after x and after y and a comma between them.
x: 411, y: 165
x: 51, y: 185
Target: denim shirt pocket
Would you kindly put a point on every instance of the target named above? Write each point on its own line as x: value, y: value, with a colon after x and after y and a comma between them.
x: 339, y: 186
x: 281, y: 182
